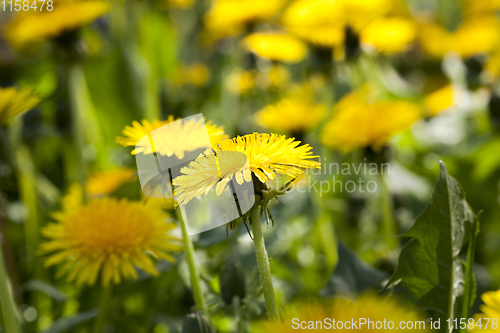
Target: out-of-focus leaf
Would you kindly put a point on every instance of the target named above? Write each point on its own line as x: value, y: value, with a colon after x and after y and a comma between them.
x: 161, y: 56
x: 430, y: 273
x: 46, y: 288
x: 352, y: 276
x: 486, y: 159
x: 65, y: 324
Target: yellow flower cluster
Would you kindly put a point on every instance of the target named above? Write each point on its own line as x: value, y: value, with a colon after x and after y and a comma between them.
x: 379, y: 23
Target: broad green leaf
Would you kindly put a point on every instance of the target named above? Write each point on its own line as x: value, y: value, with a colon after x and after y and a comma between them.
x: 430, y: 273
x: 352, y: 276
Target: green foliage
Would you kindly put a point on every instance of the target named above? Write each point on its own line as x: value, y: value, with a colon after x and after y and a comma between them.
x: 430, y: 273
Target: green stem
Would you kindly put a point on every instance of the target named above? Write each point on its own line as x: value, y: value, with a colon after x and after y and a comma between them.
x: 388, y: 224
x: 75, y: 77
x: 199, y: 299
x: 263, y: 263
x: 104, y: 301
x: 328, y: 240
x: 7, y: 305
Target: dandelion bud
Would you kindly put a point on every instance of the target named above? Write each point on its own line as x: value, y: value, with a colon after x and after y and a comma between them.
x: 232, y: 281
x: 198, y: 322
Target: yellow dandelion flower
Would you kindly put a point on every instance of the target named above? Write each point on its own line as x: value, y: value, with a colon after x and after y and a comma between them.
x: 276, y: 46
x: 14, y: 102
x: 317, y: 21
x: 358, y: 123
x: 106, y: 182
x: 34, y: 26
x: 323, y: 22
x: 490, y: 313
x: 177, y: 141
x: 291, y: 115
x: 474, y: 36
x: 240, y: 82
x: 226, y: 17
x: 108, y: 238
x: 439, y: 101
x: 370, y: 312
x: 266, y: 154
x: 390, y: 35
x: 197, y: 74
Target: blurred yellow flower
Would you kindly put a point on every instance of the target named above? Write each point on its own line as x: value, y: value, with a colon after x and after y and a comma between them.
x: 474, y: 36
x: 34, y: 26
x: 490, y: 313
x: 276, y: 77
x: 227, y: 17
x: 323, y: 22
x: 108, y: 238
x: 276, y: 46
x: 267, y: 154
x: 318, y: 316
x: 390, y: 35
x: 241, y: 82
x: 106, y: 182
x: 358, y: 123
x: 291, y: 115
x: 14, y: 102
x: 439, y: 101
x: 197, y: 74
x: 177, y: 141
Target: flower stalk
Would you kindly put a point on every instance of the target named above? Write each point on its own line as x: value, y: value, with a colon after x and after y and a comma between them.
x: 388, y: 222
x: 104, y: 302
x: 263, y: 263
x: 8, y: 308
x: 199, y: 299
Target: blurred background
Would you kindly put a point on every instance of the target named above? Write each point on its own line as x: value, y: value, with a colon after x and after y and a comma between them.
x: 385, y: 81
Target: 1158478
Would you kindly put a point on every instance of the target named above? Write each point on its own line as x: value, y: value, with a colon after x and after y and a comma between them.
x: 27, y: 5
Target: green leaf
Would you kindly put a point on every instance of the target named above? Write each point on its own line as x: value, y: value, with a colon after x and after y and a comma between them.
x: 352, y: 276
x: 65, y: 324
x: 46, y: 288
x: 430, y: 273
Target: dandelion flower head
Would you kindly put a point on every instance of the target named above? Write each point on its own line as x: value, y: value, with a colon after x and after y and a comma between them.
x: 359, y: 123
x: 266, y: 155
x: 107, y: 238
x: 182, y: 136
